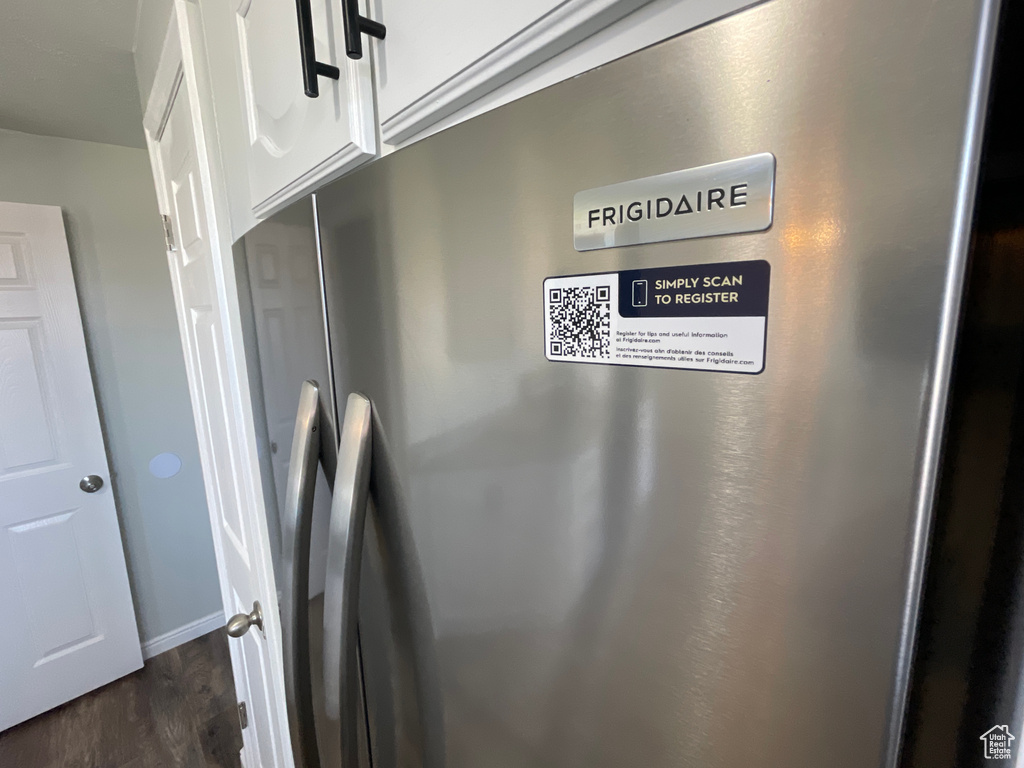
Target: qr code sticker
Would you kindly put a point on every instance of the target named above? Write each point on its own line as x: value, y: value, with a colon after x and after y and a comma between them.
x: 580, y: 321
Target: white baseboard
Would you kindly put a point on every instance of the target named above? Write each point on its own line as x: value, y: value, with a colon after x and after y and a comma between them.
x: 182, y: 635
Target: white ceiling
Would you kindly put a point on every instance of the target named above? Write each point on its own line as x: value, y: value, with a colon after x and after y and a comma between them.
x: 66, y: 69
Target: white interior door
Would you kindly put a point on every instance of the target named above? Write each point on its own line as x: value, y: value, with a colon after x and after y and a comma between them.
x: 297, y: 142
x: 68, y: 621
x: 200, y: 276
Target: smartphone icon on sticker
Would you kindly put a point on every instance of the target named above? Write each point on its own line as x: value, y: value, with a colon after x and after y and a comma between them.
x: 639, y: 293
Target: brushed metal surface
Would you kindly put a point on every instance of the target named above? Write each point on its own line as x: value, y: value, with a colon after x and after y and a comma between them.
x: 296, y: 526
x: 282, y: 260
x: 342, y: 684
x: 627, y: 566
x: 937, y: 397
x: 716, y: 199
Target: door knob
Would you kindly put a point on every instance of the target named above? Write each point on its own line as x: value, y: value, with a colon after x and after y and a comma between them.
x: 239, y: 624
x: 91, y: 483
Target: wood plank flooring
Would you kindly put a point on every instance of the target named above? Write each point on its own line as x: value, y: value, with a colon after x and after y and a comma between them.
x: 179, y: 711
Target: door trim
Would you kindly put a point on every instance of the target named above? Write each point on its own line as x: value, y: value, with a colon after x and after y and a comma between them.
x: 183, y: 64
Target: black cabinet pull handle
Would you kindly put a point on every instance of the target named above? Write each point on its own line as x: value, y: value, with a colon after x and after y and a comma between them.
x: 355, y: 25
x: 307, y: 52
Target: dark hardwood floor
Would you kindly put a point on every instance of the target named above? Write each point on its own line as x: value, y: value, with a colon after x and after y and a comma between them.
x: 179, y: 711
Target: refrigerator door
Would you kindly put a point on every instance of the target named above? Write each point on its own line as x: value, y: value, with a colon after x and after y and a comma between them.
x: 290, y: 353
x: 283, y: 271
x: 599, y: 566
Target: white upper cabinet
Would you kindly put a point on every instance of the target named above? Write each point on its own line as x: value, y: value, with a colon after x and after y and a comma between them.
x: 444, y: 54
x: 440, y: 62
x: 296, y: 142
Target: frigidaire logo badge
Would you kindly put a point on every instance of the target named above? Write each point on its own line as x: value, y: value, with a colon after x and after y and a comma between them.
x: 997, y: 742
x: 717, y: 199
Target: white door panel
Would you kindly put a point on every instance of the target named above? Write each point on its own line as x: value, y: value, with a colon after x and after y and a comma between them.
x: 69, y: 623
x: 203, y: 315
x: 297, y: 142
x: 263, y: 734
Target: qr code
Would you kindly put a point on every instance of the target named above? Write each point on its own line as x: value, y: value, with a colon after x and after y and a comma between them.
x: 580, y: 321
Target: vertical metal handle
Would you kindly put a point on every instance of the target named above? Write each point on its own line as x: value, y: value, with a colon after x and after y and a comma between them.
x: 344, y: 558
x: 296, y: 524
x: 357, y: 25
x: 307, y: 52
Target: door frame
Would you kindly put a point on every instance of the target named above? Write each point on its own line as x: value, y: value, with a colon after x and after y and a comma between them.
x: 182, y: 70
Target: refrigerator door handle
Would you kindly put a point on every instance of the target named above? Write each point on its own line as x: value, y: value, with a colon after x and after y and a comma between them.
x: 344, y: 558
x: 308, y: 442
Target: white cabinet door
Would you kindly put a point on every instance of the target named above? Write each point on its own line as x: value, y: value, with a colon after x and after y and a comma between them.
x: 441, y: 55
x: 68, y: 621
x: 296, y: 143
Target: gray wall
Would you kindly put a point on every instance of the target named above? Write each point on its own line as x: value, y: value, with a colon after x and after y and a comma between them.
x: 154, y: 17
x: 124, y: 289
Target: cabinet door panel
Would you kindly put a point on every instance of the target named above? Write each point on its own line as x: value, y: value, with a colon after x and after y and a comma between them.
x: 442, y: 55
x: 297, y: 142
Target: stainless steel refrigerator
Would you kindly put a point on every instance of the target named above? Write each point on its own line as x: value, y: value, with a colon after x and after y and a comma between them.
x: 639, y: 384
